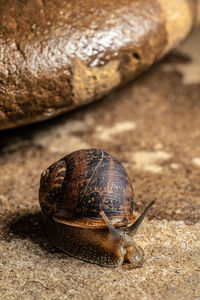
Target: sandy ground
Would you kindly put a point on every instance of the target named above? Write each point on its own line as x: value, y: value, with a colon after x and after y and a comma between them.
x: 152, y: 126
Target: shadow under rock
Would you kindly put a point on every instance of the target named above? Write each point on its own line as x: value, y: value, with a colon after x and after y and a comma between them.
x: 31, y: 227
x: 176, y: 57
x: 23, y: 135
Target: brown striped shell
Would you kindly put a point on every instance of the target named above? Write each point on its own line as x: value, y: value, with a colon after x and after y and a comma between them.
x: 75, y: 189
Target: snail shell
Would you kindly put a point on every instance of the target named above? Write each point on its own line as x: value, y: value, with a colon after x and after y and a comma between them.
x: 88, y: 199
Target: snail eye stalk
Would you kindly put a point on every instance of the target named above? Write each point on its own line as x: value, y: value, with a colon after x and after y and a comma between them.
x: 134, y: 228
x: 113, y: 231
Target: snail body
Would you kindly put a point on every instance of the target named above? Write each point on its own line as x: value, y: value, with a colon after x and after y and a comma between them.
x: 87, y: 197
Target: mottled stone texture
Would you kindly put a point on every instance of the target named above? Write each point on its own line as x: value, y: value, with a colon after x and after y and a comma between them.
x: 58, y: 55
x: 153, y: 127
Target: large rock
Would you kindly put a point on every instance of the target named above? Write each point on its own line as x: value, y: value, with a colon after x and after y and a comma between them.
x: 58, y: 55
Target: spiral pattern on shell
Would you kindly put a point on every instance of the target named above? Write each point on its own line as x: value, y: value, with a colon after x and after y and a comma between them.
x: 75, y: 189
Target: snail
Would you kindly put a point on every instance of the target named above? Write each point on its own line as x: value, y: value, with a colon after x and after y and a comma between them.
x: 87, y: 198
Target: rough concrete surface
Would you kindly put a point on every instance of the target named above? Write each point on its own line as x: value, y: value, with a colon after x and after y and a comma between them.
x: 152, y: 126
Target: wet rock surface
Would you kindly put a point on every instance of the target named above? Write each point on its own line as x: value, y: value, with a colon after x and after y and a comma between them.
x: 58, y: 55
x: 156, y: 136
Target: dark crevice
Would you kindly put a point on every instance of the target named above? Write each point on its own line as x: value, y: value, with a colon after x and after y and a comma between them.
x: 20, y: 50
x: 136, y: 55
